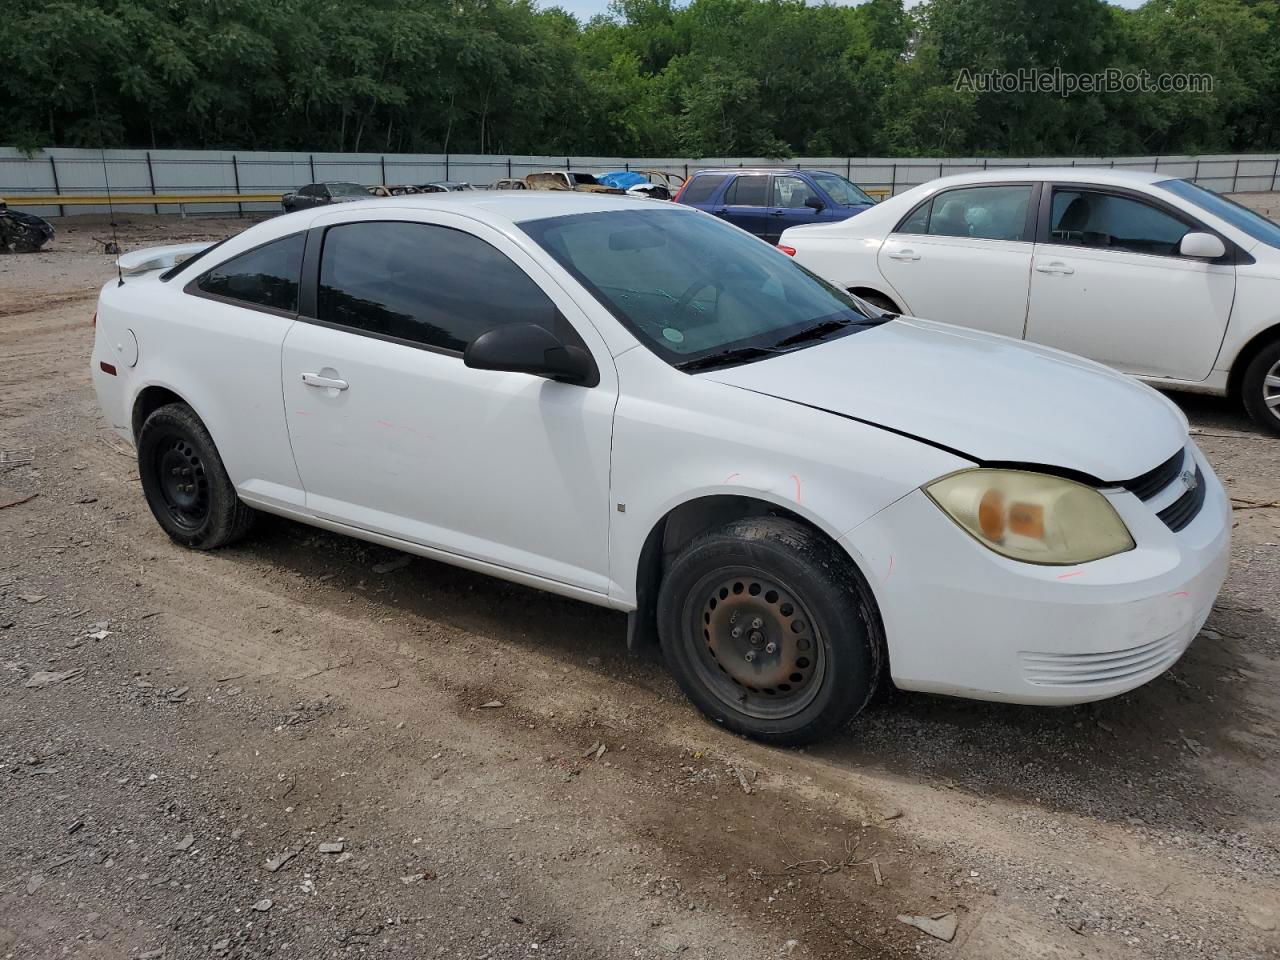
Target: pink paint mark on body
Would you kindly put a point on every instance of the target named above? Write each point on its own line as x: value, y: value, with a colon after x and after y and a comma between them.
x: 388, y: 425
x: 797, y: 480
x: 890, y: 573
x: 1074, y: 573
x: 1182, y: 593
x: 731, y: 476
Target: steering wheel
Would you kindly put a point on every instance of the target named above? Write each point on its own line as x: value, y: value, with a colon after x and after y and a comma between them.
x: 697, y: 286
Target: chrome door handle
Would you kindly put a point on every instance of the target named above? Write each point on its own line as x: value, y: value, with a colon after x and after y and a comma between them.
x: 904, y: 255
x: 315, y: 380
x: 1056, y: 267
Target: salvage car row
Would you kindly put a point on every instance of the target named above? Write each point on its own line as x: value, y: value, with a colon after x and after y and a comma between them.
x: 799, y: 494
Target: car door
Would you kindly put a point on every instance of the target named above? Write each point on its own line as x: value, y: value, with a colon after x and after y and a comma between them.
x: 745, y: 204
x: 1108, y: 283
x: 963, y: 256
x: 394, y: 434
x: 788, y: 208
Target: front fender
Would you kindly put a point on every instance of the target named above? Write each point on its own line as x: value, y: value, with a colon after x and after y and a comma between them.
x: 831, y: 471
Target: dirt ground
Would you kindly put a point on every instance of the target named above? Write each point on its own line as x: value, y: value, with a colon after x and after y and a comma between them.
x: 217, y: 724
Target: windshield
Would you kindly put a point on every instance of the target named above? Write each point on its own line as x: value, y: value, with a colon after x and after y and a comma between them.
x: 346, y: 190
x: 689, y: 285
x: 841, y: 190
x: 1239, y: 216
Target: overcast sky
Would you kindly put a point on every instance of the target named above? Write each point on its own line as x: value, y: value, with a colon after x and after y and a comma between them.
x: 586, y: 9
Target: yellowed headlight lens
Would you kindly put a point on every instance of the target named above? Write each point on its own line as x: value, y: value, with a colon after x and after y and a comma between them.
x: 1032, y: 517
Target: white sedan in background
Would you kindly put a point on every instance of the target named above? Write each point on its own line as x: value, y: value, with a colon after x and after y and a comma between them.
x: 640, y: 406
x: 1153, y: 276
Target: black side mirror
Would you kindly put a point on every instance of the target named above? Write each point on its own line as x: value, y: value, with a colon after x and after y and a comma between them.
x: 529, y: 348
x: 813, y: 203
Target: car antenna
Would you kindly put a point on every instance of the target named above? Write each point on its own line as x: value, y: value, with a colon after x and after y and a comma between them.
x: 106, y: 179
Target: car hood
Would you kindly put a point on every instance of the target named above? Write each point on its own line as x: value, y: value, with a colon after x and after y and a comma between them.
x: 990, y: 398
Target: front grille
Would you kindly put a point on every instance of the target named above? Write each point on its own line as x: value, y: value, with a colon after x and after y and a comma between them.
x: 1178, y: 514
x: 1153, y: 481
x: 1183, y: 510
x: 1086, y: 669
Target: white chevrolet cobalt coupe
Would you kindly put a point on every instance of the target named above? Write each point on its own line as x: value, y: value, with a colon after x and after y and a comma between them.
x: 1156, y: 277
x: 637, y: 405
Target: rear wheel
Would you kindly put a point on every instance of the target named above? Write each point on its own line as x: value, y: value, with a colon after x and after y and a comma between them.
x: 185, y: 483
x: 770, y: 630
x: 1260, y: 387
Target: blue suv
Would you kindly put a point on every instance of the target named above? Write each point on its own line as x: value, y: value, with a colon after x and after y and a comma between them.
x: 766, y: 200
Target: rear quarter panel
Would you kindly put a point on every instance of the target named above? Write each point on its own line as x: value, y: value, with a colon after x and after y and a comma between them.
x: 223, y: 361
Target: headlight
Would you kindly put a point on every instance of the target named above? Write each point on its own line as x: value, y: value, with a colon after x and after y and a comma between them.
x: 1032, y: 516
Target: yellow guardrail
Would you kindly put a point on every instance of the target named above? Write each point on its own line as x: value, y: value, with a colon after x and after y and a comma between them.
x: 131, y: 199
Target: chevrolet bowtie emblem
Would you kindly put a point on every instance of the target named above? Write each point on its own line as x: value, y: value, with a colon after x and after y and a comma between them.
x: 1189, y: 480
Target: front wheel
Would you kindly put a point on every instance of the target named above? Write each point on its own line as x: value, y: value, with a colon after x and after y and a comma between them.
x: 185, y: 483
x: 1260, y: 387
x: 770, y: 630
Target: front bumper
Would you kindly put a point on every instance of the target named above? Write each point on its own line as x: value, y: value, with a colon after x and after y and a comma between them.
x: 962, y: 620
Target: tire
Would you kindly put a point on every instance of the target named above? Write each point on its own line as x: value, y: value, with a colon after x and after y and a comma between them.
x: 808, y: 655
x: 197, y: 506
x: 1260, y: 387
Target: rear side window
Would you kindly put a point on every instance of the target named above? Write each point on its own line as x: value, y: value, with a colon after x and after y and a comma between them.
x: 1088, y: 219
x: 426, y: 284
x: 986, y: 213
x: 701, y: 187
x: 266, y: 276
x: 752, y: 191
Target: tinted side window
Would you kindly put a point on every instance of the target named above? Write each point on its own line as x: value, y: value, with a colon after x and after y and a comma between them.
x: 701, y: 187
x: 266, y: 276
x: 428, y: 284
x: 750, y: 191
x: 1082, y: 218
x: 790, y: 192
x: 990, y: 213
x: 308, y: 191
x: 918, y: 221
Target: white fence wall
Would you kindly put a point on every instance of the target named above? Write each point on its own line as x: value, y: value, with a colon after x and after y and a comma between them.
x: 160, y: 172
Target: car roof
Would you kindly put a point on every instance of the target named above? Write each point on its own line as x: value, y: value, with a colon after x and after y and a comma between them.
x: 513, y: 205
x: 1104, y: 175
x: 1107, y: 176
x: 722, y: 170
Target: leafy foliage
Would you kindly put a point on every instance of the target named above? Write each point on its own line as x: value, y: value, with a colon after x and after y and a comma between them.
x: 713, y: 78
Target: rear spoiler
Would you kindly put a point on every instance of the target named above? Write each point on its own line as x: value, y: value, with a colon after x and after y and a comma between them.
x: 158, y: 258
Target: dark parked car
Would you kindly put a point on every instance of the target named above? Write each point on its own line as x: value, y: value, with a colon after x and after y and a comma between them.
x: 444, y: 186
x: 319, y: 194
x: 765, y: 201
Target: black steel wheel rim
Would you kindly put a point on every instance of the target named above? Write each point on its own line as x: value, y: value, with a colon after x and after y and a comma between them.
x: 754, y: 644
x: 181, y: 481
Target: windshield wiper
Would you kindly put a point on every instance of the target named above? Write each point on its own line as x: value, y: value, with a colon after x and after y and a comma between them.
x: 815, y: 332
x: 727, y: 358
